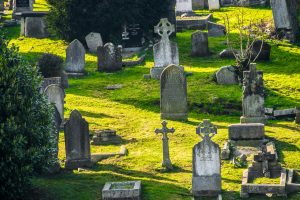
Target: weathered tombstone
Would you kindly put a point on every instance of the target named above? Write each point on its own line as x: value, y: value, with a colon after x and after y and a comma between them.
x: 285, y: 18
x: 206, y: 163
x: 93, y: 41
x: 215, y: 30
x: 198, y: 4
x: 56, y: 95
x: 199, y: 44
x: 49, y: 81
x: 77, y: 143
x: 109, y: 57
x: 213, y: 4
x: 122, y: 190
x: 184, y: 6
x: 75, y: 57
x: 166, y: 156
x: 132, y: 38
x: 262, y: 49
x: 173, y: 94
x: 226, y: 76
x: 22, y: 5
x: 253, y: 96
x: 165, y: 52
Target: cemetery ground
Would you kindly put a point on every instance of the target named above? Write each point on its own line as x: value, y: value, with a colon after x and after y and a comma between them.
x: 134, y: 112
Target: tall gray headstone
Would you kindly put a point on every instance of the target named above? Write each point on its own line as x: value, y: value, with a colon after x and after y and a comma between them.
x: 184, y: 6
x: 173, y: 94
x: 206, y: 163
x: 200, y: 44
x: 285, y: 17
x: 109, y: 58
x: 213, y: 4
x: 75, y: 57
x: 56, y: 95
x: 93, y: 41
x: 77, y: 142
x: 165, y: 52
x: 35, y: 27
x: 253, y: 96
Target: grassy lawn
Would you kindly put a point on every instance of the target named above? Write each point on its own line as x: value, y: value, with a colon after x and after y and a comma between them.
x: 134, y: 112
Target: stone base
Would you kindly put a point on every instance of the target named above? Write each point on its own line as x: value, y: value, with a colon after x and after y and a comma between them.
x: 174, y: 116
x: 75, y: 74
x: 155, y: 72
x: 262, y: 120
x: 130, y: 190
x: 206, y: 186
x: 75, y: 164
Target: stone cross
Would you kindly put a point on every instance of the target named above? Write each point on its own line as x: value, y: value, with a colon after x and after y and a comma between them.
x: 164, y: 28
x: 166, y: 156
x: 265, y: 157
x: 206, y: 130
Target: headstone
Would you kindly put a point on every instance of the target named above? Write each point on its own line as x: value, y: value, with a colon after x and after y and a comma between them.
x: 166, y: 156
x: 132, y: 37
x: 49, y: 81
x: 56, y: 95
x: 75, y: 57
x: 215, y: 30
x: 35, y: 27
x: 206, y: 163
x: 93, y: 41
x: 263, y: 49
x: 173, y: 94
x: 253, y: 96
x: 22, y: 5
x: 77, y: 143
x: 297, y: 118
x: 285, y: 17
x: 198, y: 4
x: 213, y: 4
x: 184, y: 6
x: 199, y: 44
x: 165, y: 52
x: 226, y: 76
x: 109, y: 58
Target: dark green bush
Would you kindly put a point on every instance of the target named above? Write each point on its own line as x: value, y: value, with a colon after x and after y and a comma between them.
x: 74, y: 19
x: 50, y: 65
x: 25, y: 124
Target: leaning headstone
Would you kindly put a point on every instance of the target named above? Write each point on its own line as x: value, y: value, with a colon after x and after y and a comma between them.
x: 77, y: 143
x: 206, y: 163
x: 199, y: 44
x: 166, y: 156
x: 75, y: 58
x: 285, y: 18
x: 226, y: 76
x: 109, y: 57
x: 173, y: 94
x: 165, y: 52
x: 184, y: 6
x: 56, y: 95
x: 93, y: 41
x: 215, y: 30
x: 213, y: 4
x: 253, y: 96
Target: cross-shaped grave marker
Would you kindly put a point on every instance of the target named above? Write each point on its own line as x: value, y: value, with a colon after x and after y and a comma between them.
x: 206, y: 129
x: 164, y: 28
x: 166, y: 156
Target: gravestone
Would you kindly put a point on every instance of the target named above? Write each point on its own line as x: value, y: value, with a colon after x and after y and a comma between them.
x: 297, y: 118
x: 253, y: 96
x: 213, y: 4
x: 33, y: 24
x: 132, y: 38
x: 285, y: 18
x: 184, y: 6
x: 22, y: 5
x: 263, y: 49
x: 206, y: 163
x: 173, y: 94
x: 75, y: 57
x: 215, y: 30
x: 166, y: 156
x: 109, y: 57
x: 199, y: 44
x: 130, y: 190
x: 226, y: 76
x: 165, y: 52
x: 56, y: 95
x: 93, y: 41
x: 198, y: 4
x: 106, y: 137
x: 77, y: 143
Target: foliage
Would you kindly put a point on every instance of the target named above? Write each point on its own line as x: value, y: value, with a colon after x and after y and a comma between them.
x: 25, y: 123
x: 50, y: 65
x: 74, y: 19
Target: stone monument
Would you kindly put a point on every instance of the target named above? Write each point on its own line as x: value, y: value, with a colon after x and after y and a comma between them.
x: 22, y: 5
x: 165, y: 52
x: 213, y: 4
x: 93, y: 41
x: 109, y: 57
x: 206, y: 163
x: 200, y: 44
x: 173, y: 94
x: 184, y: 6
x: 77, y: 143
x: 166, y: 156
x: 253, y: 96
x: 75, y: 58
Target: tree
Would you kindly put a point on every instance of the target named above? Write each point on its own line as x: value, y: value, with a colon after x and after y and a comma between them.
x: 26, y: 144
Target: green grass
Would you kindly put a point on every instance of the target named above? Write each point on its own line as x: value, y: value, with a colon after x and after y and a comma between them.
x: 134, y: 112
